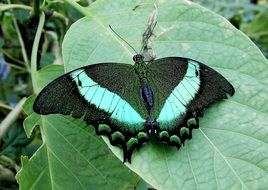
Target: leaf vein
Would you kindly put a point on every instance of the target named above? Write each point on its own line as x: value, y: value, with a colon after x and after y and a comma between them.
x: 239, y: 133
x: 214, y: 161
x: 249, y: 162
x: 50, y: 150
x: 82, y: 156
x: 224, y: 158
x: 166, y: 162
x: 192, y: 170
x: 39, y: 177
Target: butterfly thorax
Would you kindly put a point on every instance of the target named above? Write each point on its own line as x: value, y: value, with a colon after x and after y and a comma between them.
x: 141, y: 68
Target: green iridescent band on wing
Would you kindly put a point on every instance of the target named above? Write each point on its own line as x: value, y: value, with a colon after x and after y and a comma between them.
x: 175, y: 106
x: 121, y: 112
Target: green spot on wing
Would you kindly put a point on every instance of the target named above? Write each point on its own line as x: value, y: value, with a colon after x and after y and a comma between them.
x: 191, y: 122
x: 131, y: 142
x: 104, y: 128
x: 175, y: 139
x: 118, y: 135
x: 164, y: 134
x: 184, y: 131
x: 142, y: 135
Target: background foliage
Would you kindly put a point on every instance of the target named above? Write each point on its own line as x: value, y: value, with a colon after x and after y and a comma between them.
x: 19, y: 33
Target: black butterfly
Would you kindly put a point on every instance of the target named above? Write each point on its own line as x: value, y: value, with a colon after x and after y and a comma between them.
x: 133, y: 104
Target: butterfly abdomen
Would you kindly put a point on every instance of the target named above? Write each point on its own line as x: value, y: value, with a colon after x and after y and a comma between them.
x: 148, y: 97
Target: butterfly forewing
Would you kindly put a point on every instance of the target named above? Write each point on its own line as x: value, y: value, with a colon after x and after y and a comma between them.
x: 175, y: 107
x: 164, y: 75
x: 101, y: 93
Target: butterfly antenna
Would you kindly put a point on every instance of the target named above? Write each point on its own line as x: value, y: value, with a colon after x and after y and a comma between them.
x: 122, y: 39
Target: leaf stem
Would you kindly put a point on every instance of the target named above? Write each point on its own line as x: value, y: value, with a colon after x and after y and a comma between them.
x: 12, y: 58
x: 25, y: 7
x: 11, y: 117
x: 14, y: 6
x: 4, y: 106
x: 8, y: 163
x: 78, y: 7
x: 23, y: 50
x: 16, y: 67
x: 36, y: 7
x: 35, y: 49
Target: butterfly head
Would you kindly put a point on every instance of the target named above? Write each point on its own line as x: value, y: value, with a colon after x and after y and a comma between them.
x: 138, y: 58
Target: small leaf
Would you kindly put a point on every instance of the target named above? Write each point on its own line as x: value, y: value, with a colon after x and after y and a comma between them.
x: 28, y: 105
x: 30, y: 122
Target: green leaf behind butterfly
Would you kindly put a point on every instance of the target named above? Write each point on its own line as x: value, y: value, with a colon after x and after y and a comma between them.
x: 64, y: 161
x: 230, y: 149
x: 258, y: 30
x: 258, y: 27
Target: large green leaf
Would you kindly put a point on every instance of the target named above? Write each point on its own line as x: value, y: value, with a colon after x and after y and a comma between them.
x: 230, y: 149
x: 71, y: 157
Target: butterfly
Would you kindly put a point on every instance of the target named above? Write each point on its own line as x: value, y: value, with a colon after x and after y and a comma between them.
x: 159, y: 100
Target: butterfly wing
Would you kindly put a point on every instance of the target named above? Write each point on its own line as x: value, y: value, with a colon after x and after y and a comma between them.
x: 183, y: 88
x: 106, y: 93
